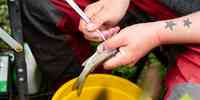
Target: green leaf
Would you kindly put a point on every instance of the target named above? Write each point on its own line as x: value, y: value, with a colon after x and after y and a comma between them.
x: 125, y: 71
x: 4, y: 20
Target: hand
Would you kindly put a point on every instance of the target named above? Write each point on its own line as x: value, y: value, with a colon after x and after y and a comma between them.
x: 104, y: 15
x: 133, y: 43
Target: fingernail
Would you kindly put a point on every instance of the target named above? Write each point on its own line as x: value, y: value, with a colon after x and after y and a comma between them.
x: 90, y: 26
x: 96, y: 34
x: 115, y: 29
x: 106, y: 33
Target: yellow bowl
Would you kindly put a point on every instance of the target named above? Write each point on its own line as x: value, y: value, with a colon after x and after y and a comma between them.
x: 100, y: 87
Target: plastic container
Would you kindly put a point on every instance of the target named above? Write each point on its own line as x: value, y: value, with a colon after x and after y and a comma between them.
x: 33, y: 73
x: 100, y: 87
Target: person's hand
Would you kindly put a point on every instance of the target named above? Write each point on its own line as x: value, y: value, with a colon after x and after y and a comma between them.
x: 133, y: 42
x: 104, y: 14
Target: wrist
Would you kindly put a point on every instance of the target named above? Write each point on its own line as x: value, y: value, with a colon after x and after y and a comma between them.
x: 155, y: 31
x: 160, y: 32
x: 149, y: 32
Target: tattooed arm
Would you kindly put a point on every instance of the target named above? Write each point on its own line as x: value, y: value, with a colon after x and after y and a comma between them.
x: 184, y: 30
x: 136, y: 40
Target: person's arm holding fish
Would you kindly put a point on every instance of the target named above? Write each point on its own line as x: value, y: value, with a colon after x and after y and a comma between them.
x: 133, y: 42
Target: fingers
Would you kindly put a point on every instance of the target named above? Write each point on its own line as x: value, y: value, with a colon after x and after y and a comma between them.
x: 123, y: 57
x: 89, y: 29
x: 98, y: 21
x: 90, y: 11
x: 109, y: 33
x: 128, y: 51
x: 98, y: 16
x: 115, y: 41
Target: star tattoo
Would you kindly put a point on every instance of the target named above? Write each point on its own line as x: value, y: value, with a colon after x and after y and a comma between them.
x: 170, y: 25
x: 187, y: 22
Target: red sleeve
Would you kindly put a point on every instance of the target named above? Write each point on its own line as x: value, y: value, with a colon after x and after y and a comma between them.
x: 70, y: 16
x: 69, y: 23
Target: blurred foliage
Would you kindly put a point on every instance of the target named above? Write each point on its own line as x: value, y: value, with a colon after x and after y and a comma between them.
x: 125, y: 71
x: 154, y: 60
x: 4, y: 20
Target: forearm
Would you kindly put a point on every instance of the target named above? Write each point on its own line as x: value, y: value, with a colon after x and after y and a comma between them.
x: 122, y: 3
x: 181, y: 30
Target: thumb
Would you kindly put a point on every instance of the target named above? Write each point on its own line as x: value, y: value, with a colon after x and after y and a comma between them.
x: 98, y: 20
x: 91, y: 11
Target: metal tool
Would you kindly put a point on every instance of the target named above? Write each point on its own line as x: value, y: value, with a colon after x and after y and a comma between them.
x: 10, y: 41
x: 83, y: 15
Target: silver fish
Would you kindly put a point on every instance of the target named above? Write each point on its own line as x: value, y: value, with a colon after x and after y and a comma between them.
x: 91, y: 63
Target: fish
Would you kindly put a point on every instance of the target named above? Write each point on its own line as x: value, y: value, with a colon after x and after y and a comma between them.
x: 91, y: 63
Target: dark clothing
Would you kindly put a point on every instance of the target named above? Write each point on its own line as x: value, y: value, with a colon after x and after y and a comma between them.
x: 51, y: 29
x: 182, y: 7
x: 54, y: 38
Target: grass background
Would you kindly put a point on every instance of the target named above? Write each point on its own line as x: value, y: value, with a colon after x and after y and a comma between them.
x: 4, y: 20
